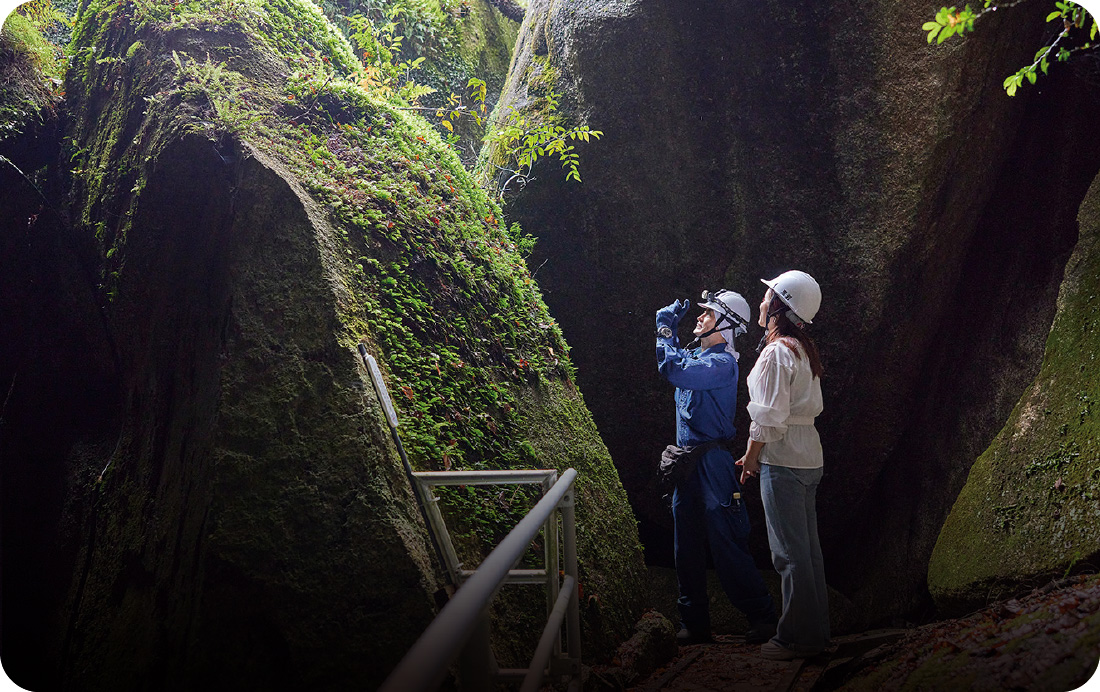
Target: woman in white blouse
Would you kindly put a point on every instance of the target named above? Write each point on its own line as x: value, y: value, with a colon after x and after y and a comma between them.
x: 785, y: 452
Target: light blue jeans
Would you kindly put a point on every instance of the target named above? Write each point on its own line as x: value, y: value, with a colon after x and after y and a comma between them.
x: 790, y: 497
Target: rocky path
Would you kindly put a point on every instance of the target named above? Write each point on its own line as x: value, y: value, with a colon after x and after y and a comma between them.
x: 730, y: 665
x: 1046, y: 641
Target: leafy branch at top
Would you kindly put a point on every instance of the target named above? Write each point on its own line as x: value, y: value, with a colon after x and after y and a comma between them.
x: 380, y: 47
x: 456, y: 108
x: 523, y: 140
x: 950, y: 21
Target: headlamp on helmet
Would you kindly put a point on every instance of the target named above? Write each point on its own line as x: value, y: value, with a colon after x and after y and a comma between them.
x: 729, y: 307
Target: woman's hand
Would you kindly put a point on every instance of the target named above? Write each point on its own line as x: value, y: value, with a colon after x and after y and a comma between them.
x: 749, y: 467
x: 750, y: 463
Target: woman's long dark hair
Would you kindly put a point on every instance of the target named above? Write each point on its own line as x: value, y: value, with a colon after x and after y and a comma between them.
x: 788, y: 332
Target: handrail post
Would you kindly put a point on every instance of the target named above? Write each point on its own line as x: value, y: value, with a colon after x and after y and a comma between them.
x: 573, y: 617
x: 438, y: 526
x: 552, y: 559
x: 477, y: 666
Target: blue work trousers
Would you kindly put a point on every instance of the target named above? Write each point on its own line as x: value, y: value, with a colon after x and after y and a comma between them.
x: 790, y: 497
x: 705, y: 511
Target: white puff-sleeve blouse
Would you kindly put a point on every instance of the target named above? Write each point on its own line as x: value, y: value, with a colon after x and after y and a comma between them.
x: 784, y: 399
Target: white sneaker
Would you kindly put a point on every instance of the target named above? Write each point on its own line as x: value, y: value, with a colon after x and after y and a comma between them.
x: 777, y: 652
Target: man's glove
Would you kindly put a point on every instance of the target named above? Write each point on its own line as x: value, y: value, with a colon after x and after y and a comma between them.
x: 670, y: 315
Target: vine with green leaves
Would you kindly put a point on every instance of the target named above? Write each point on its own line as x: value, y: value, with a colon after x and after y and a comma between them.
x: 383, y: 70
x: 523, y: 140
x: 456, y: 108
x: 1077, y: 36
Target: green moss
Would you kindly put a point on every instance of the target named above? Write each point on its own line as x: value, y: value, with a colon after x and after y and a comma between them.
x: 541, y: 78
x: 24, y: 37
x: 31, y: 68
x: 1031, y: 505
x: 563, y: 436
x: 487, y: 39
x: 438, y: 269
x: 457, y: 40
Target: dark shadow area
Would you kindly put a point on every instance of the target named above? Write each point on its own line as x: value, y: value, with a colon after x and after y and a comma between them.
x: 60, y: 399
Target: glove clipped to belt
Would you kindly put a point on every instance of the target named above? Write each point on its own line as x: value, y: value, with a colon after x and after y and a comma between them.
x: 677, y: 463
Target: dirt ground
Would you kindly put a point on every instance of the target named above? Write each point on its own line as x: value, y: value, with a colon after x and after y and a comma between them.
x: 1046, y: 641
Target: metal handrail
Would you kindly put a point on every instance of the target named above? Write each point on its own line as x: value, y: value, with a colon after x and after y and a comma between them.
x: 425, y: 665
x: 466, y: 625
x: 425, y: 483
x: 493, y: 477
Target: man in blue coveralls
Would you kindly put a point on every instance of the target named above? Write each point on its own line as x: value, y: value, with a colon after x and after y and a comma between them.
x: 706, y: 504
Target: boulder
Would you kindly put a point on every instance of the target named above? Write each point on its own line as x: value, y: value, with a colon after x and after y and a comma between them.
x: 1030, y: 509
x: 205, y: 492
x: 652, y: 645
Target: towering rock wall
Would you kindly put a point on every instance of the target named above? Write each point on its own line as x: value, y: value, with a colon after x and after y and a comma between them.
x: 199, y: 485
x: 745, y: 139
x: 1030, y: 508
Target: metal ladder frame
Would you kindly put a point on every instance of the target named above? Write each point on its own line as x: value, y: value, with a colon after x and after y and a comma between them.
x: 461, y: 630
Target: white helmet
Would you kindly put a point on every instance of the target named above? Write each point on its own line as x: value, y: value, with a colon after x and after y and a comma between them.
x: 730, y: 305
x: 798, y: 291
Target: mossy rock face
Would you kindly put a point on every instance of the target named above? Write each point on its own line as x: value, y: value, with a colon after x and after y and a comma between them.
x: 744, y: 140
x: 30, y: 77
x: 458, y: 40
x: 237, y: 514
x: 1030, y: 508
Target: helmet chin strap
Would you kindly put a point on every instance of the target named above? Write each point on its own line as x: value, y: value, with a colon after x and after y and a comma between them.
x: 716, y: 328
x: 775, y: 313
x: 700, y: 338
x: 763, y: 342
x: 771, y: 313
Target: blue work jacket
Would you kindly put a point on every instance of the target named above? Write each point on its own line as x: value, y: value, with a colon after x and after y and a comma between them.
x: 706, y: 390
